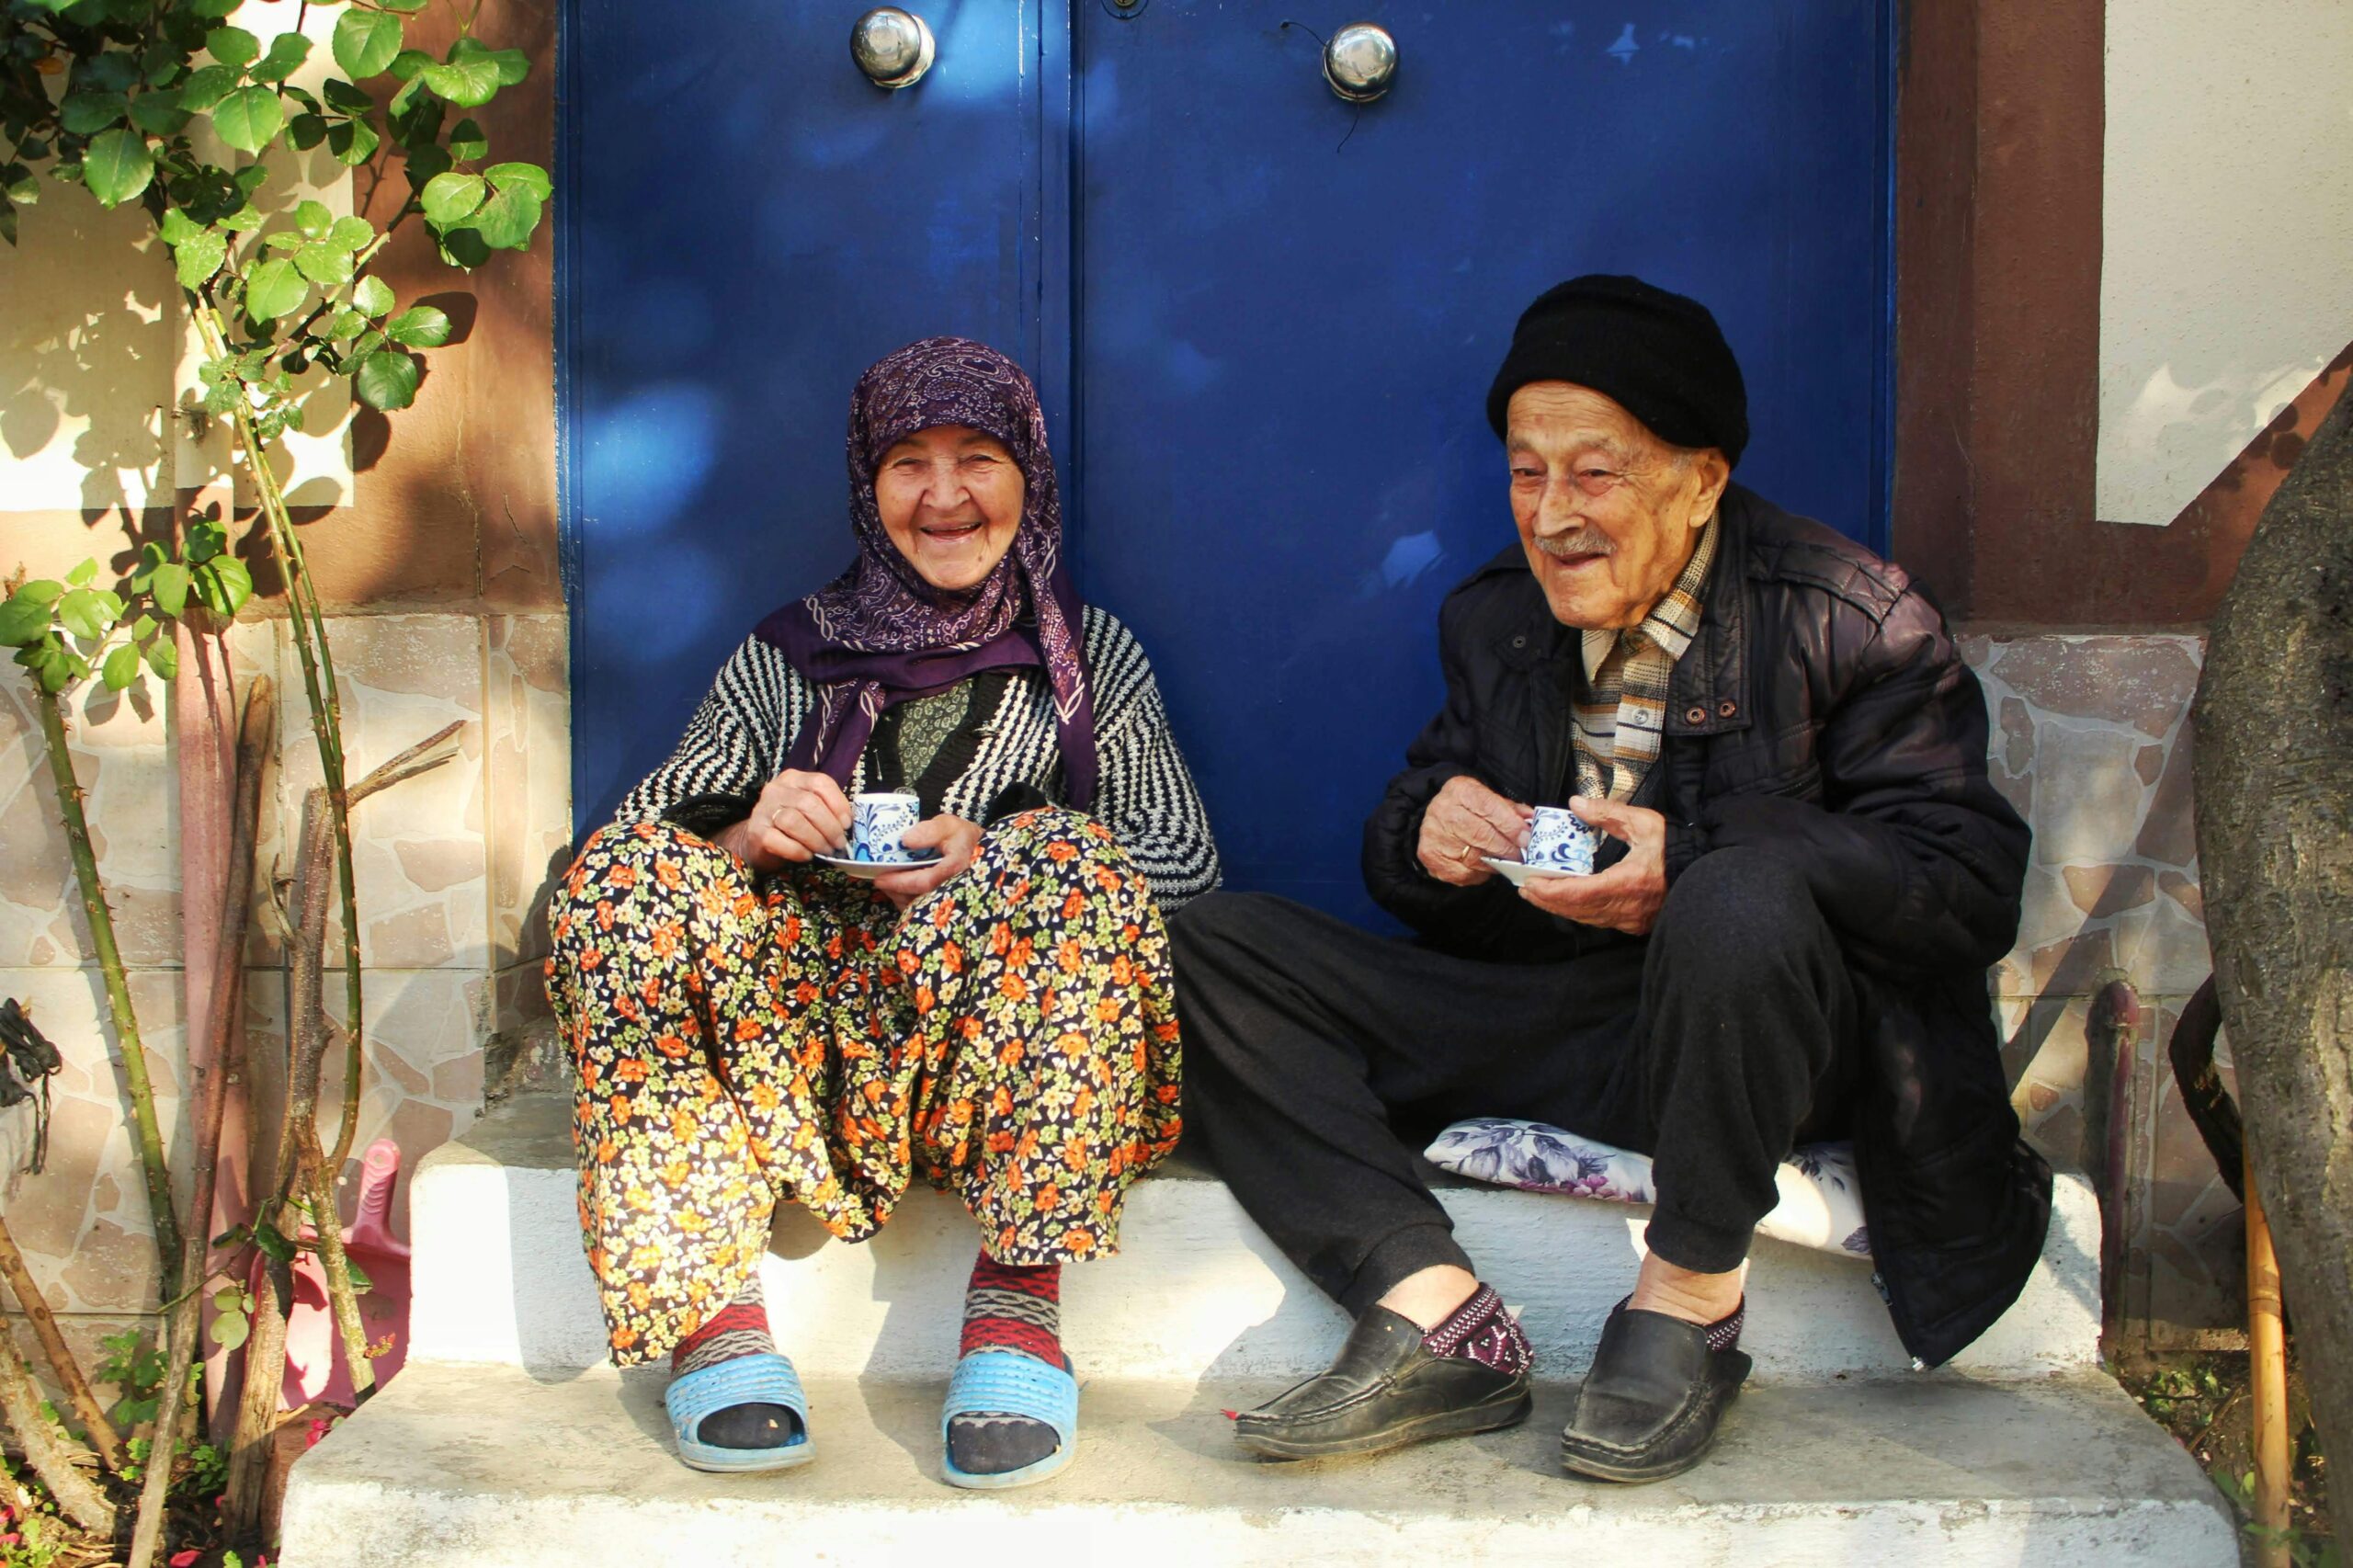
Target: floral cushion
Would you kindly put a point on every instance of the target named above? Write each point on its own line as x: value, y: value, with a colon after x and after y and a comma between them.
x: 1820, y: 1206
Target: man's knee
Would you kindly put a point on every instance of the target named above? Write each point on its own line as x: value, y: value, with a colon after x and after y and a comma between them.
x: 1733, y: 905
x: 1220, y: 931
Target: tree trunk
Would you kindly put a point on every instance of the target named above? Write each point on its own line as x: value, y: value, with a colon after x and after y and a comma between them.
x: 2275, y: 842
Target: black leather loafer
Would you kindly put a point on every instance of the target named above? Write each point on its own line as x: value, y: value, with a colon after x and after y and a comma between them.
x: 1384, y: 1390
x: 1648, y: 1407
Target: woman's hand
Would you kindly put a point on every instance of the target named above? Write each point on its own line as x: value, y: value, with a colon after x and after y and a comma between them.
x: 798, y: 815
x: 957, y: 840
x: 1464, y: 820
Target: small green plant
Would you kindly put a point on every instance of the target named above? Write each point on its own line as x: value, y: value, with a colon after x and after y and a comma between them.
x: 30, y: 1535
x: 136, y: 1370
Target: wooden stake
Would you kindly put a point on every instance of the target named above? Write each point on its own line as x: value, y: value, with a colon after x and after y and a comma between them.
x: 2268, y: 1373
x: 50, y: 1451
x: 186, y: 1323
x: 61, y: 1359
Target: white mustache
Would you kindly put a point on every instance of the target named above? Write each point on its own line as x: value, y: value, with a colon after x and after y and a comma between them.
x: 1579, y: 541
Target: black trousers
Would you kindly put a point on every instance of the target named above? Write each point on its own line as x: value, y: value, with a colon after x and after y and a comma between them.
x: 1319, y: 1060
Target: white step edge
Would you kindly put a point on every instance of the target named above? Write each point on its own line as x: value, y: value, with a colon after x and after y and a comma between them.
x: 1197, y: 1292
x: 487, y: 1467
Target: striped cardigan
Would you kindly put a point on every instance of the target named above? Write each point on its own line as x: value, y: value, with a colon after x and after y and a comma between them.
x: 738, y: 739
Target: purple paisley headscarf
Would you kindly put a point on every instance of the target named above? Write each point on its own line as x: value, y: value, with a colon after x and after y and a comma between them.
x: 878, y: 633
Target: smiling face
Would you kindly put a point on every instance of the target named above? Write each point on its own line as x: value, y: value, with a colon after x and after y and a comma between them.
x: 950, y: 499
x: 1609, y: 513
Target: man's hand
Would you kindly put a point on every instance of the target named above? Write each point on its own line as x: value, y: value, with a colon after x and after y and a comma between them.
x: 798, y: 815
x: 1464, y: 820
x: 1624, y: 897
x: 957, y: 840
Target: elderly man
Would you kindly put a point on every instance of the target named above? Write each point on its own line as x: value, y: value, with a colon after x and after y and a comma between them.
x: 1805, y: 876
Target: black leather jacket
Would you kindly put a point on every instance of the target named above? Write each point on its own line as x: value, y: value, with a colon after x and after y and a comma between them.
x: 1822, y: 714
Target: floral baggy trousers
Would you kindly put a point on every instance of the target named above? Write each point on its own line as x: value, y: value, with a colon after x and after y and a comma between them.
x: 737, y: 1039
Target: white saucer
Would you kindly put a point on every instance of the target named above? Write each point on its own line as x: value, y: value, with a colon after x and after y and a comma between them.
x: 867, y: 870
x: 1517, y: 872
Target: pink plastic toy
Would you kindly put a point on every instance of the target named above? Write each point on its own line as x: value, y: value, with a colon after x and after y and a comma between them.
x: 316, y: 1367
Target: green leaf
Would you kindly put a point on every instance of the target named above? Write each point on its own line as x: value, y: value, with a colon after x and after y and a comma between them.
x: 206, y: 86
x: 323, y: 263
x: 313, y: 218
x: 353, y: 142
x: 20, y: 185
x: 86, y: 113
x: 111, y: 72
x: 373, y: 296
x: 306, y: 131
x: 520, y: 176
x: 345, y: 98
x: 84, y: 613
x: 82, y: 575
x: 467, y: 141
x: 346, y: 324
x: 507, y: 220
x: 426, y: 162
x: 408, y: 63
x: 170, y: 588
x: 158, y: 114
x: 273, y: 1243
x: 144, y: 627
x: 22, y: 622
x: 206, y: 539
x: 272, y: 288
x: 117, y: 166
x: 248, y: 118
x: 229, y: 1333
x: 451, y: 199
x: 176, y: 227
x: 350, y: 234
x: 224, y: 583
x: 468, y: 82
x: 43, y: 591
x: 215, y: 9
x: 287, y: 53
x: 195, y: 259
x: 242, y: 218
x: 419, y: 326
x: 386, y: 380
x: 366, y: 42
x: 285, y: 240
x: 360, y: 1283
x: 463, y: 247
x: 162, y: 656
x: 121, y: 667
x: 233, y: 46
x: 511, y: 63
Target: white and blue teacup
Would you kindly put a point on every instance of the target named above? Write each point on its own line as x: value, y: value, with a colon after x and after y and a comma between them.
x: 876, y: 823
x: 1560, y: 840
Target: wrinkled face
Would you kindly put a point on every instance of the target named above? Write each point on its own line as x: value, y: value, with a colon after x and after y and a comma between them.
x: 1607, y: 513
x: 950, y: 499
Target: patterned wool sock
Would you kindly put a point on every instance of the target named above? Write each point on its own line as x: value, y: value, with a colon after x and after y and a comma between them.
x: 1008, y: 1308
x: 740, y: 1328
x: 1482, y: 1330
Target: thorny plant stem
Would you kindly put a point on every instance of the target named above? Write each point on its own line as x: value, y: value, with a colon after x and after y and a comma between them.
x: 145, y: 1130
x: 326, y: 728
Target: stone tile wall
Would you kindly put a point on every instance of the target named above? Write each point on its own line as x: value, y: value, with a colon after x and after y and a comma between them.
x: 2092, y: 743
x: 450, y: 867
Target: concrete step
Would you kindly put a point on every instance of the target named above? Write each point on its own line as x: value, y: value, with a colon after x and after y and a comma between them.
x: 489, y: 1465
x: 1197, y: 1293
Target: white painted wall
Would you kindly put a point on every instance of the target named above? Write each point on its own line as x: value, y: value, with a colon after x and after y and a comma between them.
x: 95, y: 345
x: 2227, y: 279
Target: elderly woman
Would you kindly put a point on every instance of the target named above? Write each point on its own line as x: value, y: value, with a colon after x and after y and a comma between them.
x: 750, y: 1025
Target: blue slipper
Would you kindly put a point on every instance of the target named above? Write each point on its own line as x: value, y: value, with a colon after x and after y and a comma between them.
x: 1005, y: 1383
x: 766, y: 1379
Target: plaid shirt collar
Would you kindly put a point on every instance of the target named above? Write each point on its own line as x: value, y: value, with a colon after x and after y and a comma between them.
x: 1628, y: 672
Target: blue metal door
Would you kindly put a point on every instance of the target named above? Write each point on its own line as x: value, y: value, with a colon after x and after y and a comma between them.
x: 1263, y: 320
x: 1290, y: 308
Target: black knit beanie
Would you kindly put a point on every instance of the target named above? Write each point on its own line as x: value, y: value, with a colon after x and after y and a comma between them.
x: 1659, y: 355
